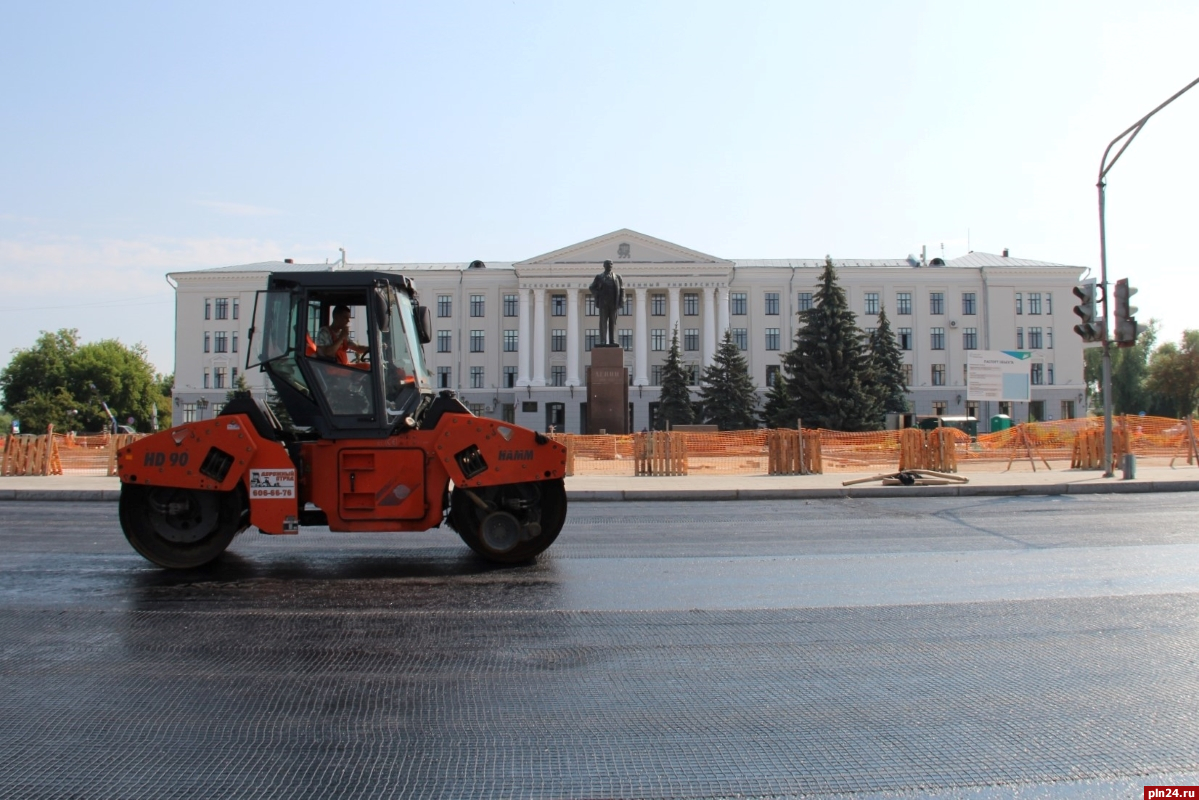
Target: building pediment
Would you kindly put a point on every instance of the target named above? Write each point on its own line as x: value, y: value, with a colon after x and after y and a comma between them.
x: 624, y: 248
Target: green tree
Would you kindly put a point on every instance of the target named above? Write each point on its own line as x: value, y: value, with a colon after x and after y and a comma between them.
x: 674, y: 403
x: 238, y: 386
x: 829, y: 372
x: 1173, y: 376
x: 60, y: 382
x: 728, y: 398
x: 1130, y: 368
x: 776, y: 413
x: 887, y: 366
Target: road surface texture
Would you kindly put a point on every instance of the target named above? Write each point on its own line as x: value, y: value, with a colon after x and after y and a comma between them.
x: 956, y: 647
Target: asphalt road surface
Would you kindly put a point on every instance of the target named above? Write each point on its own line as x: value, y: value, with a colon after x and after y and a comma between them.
x: 969, y: 647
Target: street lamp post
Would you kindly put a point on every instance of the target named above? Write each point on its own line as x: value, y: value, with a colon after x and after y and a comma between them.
x: 1104, y: 167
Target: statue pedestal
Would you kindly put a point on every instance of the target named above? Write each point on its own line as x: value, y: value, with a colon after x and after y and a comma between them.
x: 607, y: 391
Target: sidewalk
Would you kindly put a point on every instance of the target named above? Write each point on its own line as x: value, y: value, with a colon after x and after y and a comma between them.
x: 737, y: 487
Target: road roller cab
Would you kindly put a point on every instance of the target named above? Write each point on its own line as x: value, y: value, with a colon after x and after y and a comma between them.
x: 364, y: 444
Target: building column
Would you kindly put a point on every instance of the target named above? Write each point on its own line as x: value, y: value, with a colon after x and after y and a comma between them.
x: 674, y: 315
x: 572, y: 337
x: 524, y: 342
x: 539, y: 337
x: 723, y: 298
x: 709, y: 325
x: 641, y: 337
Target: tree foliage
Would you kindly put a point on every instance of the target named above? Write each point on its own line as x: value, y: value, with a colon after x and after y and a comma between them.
x: 674, y: 403
x: 1173, y: 376
x: 777, y: 412
x: 830, y: 376
x: 728, y: 398
x: 1130, y: 367
x: 887, y: 367
x: 61, y: 382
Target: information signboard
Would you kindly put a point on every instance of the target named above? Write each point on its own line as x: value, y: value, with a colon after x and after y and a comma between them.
x: 1001, y: 375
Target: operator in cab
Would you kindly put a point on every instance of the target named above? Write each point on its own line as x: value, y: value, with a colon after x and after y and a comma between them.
x: 333, y: 341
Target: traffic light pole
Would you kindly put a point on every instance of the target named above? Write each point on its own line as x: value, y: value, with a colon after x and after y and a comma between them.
x: 1104, y: 167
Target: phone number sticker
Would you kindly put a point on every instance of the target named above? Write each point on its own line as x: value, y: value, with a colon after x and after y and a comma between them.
x: 272, y: 483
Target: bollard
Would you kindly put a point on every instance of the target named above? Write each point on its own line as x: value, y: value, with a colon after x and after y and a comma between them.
x: 1129, y: 466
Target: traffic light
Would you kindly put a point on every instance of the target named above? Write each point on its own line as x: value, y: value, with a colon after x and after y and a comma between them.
x: 1126, y: 327
x: 1090, y: 328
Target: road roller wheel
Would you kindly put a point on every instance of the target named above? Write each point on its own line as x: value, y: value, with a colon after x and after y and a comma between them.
x: 181, y: 528
x: 512, y: 523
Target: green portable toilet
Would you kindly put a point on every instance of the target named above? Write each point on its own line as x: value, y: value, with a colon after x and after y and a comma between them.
x: 1000, y: 422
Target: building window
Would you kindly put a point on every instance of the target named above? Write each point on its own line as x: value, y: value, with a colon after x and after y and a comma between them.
x: 1034, y: 334
x: 207, y: 308
x: 476, y: 341
x: 1049, y: 338
x: 737, y: 304
x: 625, y: 337
x: 804, y: 302
x: 872, y: 303
x: 907, y: 374
x: 221, y: 342
x: 969, y: 303
x: 207, y: 342
x: 590, y: 338
x: 903, y: 303
x: 557, y: 375
x: 940, y: 407
x: 657, y: 305
x: 509, y: 377
x: 443, y: 377
x: 1019, y: 302
x: 970, y: 339
x: 476, y: 377
x: 690, y: 304
x: 905, y: 338
x: 691, y: 339
x: 557, y: 305
x: 772, y: 304
x: 511, y: 305
x: 655, y: 375
x: 1038, y: 370
x: 592, y: 310
x: 1067, y: 409
x: 1049, y: 368
x: 478, y: 305
x: 233, y: 347
x: 444, y: 340
x: 236, y: 308
x: 657, y: 339
x: 510, y: 341
x: 1034, y: 303
x: 692, y: 372
x: 741, y: 338
x: 772, y: 374
x: 189, y: 412
x: 1019, y: 338
x: 558, y: 340
x: 1048, y: 305
x: 869, y: 333
x: 772, y: 338
x: 626, y: 308
x: 937, y: 338
x: 936, y: 302
x: 938, y: 374
x: 222, y: 308
x: 218, y: 378
x: 445, y: 305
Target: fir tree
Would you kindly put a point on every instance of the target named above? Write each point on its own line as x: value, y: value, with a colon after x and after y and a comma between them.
x: 778, y: 413
x: 728, y: 397
x: 888, y: 367
x: 674, y: 402
x: 829, y: 372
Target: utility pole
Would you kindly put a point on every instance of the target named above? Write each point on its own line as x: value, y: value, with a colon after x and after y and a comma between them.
x: 1104, y: 167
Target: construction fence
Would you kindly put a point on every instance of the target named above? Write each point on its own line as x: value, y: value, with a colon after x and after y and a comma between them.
x: 1062, y: 444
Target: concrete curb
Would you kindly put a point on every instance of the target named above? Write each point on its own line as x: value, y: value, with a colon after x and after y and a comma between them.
x: 727, y: 495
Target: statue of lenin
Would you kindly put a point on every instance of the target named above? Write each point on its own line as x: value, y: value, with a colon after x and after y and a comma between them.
x: 608, y: 291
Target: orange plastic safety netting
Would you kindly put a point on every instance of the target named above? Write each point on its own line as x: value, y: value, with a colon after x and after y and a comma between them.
x: 62, y: 454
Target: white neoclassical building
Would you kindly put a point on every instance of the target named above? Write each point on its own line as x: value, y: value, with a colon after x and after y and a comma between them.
x: 514, y: 339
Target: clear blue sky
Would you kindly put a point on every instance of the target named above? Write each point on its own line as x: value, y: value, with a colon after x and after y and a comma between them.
x: 139, y: 139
